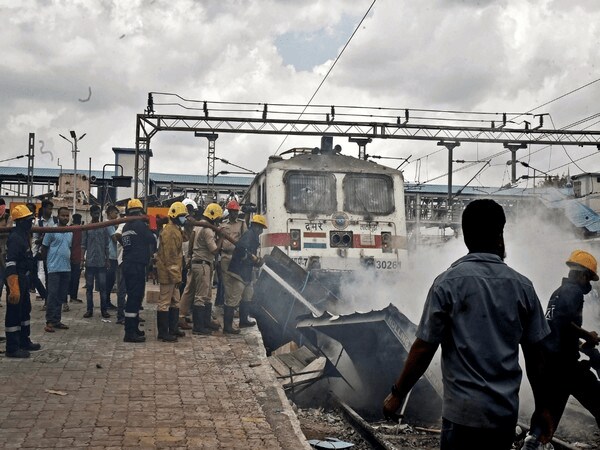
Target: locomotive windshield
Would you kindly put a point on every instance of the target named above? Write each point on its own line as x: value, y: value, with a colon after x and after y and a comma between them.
x: 368, y: 193
x: 307, y: 192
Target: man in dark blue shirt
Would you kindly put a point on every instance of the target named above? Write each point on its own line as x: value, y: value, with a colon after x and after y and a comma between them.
x: 138, y: 246
x: 19, y: 262
x: 479, y: 311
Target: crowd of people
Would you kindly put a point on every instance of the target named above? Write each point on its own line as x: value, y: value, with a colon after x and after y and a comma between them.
x: 479, y: 310
x: 185, y: 249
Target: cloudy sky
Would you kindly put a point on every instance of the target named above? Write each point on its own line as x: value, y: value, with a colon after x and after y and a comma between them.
x: 490, y: 56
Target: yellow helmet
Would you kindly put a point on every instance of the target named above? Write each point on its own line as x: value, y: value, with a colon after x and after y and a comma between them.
x: 177, y: 209
x: 134, y: 203
x: 213, y: 211
x: 20, y: 212
x: 585, y: 260
x: 261, y: 220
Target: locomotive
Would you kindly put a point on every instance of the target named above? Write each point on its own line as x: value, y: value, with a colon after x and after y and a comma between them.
x: 332, y: 213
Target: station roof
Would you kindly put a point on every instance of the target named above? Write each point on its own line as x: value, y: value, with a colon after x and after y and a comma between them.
x: 47, y: 173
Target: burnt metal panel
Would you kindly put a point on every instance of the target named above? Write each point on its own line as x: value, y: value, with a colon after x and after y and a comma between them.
x: 368, y: 350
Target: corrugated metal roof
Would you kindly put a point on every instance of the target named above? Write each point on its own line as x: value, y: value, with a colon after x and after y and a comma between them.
x: 578, y: 214
x: 468, y: 190
x: 47, y: 172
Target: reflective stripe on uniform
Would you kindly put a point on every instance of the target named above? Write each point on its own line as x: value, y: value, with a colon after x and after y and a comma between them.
x: 12, y: 329
x: 25, y: 324
x: 129, y: 233
x: 129, y: 314
x: 11, y: 263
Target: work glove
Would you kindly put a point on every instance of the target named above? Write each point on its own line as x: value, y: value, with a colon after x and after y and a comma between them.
x: 15, y: 293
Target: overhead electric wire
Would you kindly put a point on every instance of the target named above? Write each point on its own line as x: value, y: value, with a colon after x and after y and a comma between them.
x: 13, y: 158
x: 332, y: 66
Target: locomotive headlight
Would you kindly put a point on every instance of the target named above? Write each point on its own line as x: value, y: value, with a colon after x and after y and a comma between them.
x: 340, y: 239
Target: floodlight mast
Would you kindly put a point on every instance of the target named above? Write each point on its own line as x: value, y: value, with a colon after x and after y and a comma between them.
x: 74, y: 151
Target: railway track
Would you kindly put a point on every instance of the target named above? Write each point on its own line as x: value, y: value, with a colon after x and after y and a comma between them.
x: 398, y: 437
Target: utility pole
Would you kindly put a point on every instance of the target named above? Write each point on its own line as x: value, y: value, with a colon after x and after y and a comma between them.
x: 210, y: 173
x: 362, y: 146
x: 30, y: 158
x: 450, y: 146
x: 513, y: 151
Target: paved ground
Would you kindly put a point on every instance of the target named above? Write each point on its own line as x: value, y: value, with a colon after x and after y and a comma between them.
x: 216, y: 392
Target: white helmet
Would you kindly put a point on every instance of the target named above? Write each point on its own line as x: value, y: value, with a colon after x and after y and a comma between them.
x: 189, y: 201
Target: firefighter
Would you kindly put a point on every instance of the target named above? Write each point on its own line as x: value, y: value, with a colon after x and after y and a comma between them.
x: 204, y: 249
x: 169, y: 262
x: 235, y: 228
x: 19, y: 262
x: 240, y: 269
x: 570, y: 376
x: 138, y: 245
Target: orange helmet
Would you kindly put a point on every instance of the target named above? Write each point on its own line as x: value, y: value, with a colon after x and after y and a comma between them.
x: 580, y: 258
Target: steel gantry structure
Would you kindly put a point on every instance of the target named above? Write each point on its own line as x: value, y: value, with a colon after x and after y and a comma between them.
x: 360, y: 124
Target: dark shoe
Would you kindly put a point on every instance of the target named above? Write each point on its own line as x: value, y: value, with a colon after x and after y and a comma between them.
x: 88, y: 314
x: 111, y: 307
x: 183, y: 325
x: 31, y: 347
x: 76, y: 300
x: 135, y: 339
x: 245, y: 322
x: 60, y: 326
x: 140, y: 333
x: 228, y: 321
x: 120, y: 322
x: 49, y: 328
x: 162, y: 323
x: 174, y: 323
x: 105, y: 314
x: 20, y: 353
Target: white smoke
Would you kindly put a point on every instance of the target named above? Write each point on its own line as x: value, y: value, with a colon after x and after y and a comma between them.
x: 537, y: 246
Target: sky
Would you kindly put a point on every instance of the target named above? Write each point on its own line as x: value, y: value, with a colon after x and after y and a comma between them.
x: 88, y: 66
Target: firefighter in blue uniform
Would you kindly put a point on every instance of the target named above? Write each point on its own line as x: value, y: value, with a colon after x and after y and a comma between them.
x: 139, y: 244
x: 19, y: 262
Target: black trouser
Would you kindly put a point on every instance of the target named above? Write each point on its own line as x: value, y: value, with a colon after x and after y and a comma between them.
x: 74, y: 280
x: 58, y: 286
x: 35, y: 281
x: 576, y: 379
x: 111, y: 277
x: 135, y: 284
x: 121, y: 293
x: 16, y: 321
x: 184, y: 273
x: 461, y: 437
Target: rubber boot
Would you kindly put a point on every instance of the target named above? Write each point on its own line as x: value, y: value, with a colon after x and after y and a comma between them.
x: 198, y: 313
x: 228, y: 321
x: 244, y: 312
x: 210, y: 323
x: 131, y: 331
x: 137, y: 326
x: 174, y: 323
x: 162, y: 324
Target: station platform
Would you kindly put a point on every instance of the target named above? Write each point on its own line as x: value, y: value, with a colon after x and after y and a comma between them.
x: 87, y: 389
